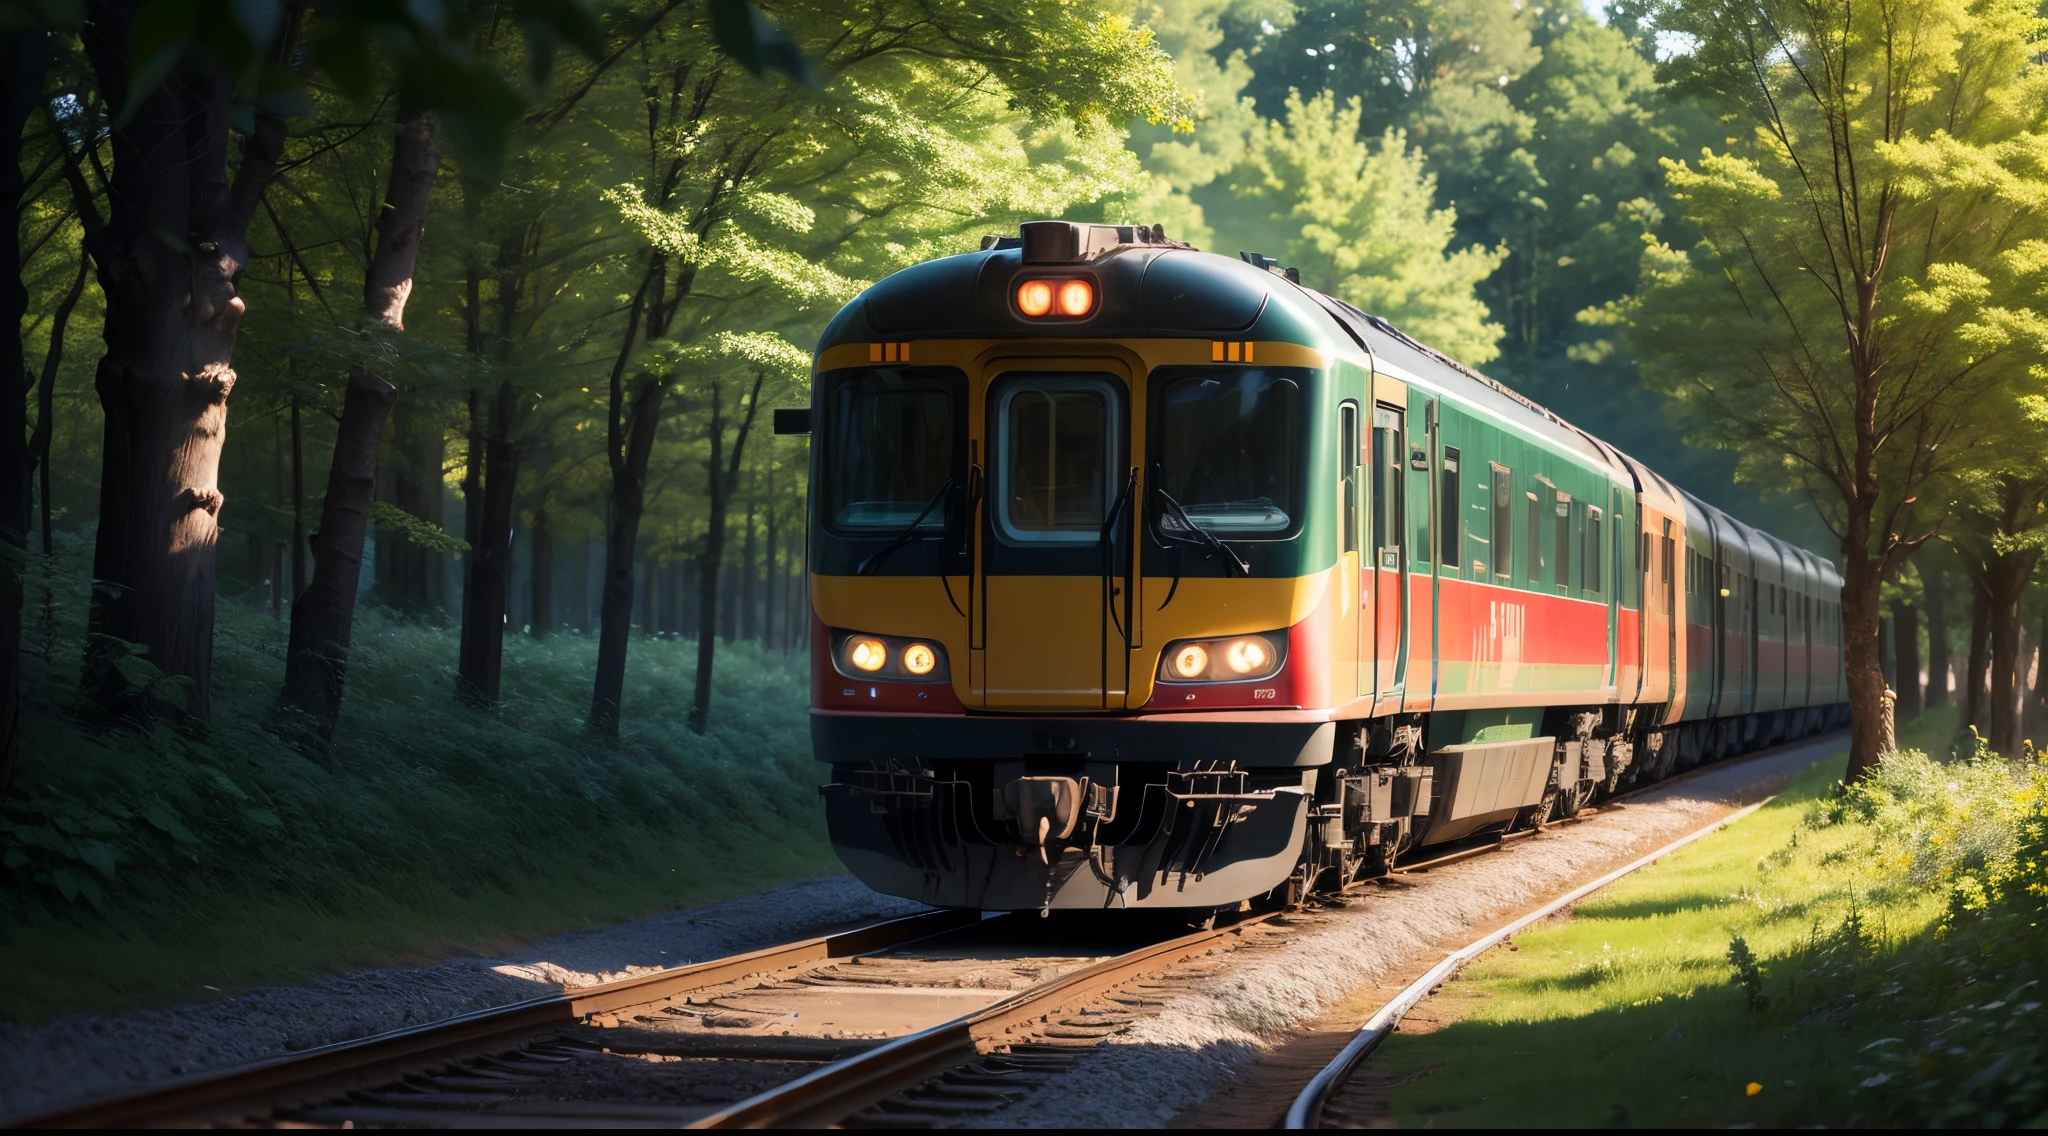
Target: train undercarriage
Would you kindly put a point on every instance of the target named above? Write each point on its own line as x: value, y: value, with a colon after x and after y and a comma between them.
x: 1104, y: 815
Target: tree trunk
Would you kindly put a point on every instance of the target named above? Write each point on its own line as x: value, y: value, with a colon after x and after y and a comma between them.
x: 2007, y: 582
x: 323, y: 615
x: 1906, y: 648
x: 2034, y: 720
x: 298, y: 502
x: 721, y: 487
x: 543, y: 575
x: 26, y: 54
x: 770, y: 569
x: 46, y: 390
x: 1980, y: 656
x: 750, y: 570
x: 1938, y: 664
x: 628, y: 500
x: 1869, y: 734
x: 170, y: 256
x: 650, y: 574
x: 419, y: 445
x: 480, y: 666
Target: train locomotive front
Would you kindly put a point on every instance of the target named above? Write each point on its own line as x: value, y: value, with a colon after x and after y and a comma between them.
x: 1139, y: 578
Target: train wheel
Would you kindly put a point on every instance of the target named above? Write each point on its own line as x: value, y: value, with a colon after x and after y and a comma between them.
x: 1570, y: 801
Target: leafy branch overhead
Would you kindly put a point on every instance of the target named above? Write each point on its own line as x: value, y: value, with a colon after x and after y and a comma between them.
x: 418, y: 530
x: 427, y: 47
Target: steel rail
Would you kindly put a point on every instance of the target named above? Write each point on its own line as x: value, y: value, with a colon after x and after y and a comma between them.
x: 836, y: 1091
x: 1307, y: 1109
x: 304, y: 1078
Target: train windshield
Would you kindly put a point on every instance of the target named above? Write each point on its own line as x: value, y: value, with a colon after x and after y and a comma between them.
x: 1228, y: 446
x: 889, y: 446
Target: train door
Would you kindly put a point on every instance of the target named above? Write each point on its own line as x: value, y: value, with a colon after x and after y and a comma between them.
x: 1389, y: 457
x: 1596, y: 560
x: 1353, y: 565
x: 1054, y: 601
x: 1419, y: 650
x: 1668, y: 572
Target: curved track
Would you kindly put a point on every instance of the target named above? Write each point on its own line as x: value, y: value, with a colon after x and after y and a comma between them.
x: 1307, y: 1109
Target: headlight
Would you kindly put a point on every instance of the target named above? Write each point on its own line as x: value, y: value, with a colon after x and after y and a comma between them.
x: 919, y: 659
x: 867, y: 654
x: 1239, y: 658
x: 1250, y: 655
x: 888, y: 658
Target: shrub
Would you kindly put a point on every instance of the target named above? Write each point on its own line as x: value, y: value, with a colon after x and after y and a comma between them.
x: 443, y: 822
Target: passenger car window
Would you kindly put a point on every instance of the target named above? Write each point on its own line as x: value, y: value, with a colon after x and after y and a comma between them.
x: 1563, y: 542
x: 1593, y: 562
x: 1535, y: 530
x: 1450, y: 510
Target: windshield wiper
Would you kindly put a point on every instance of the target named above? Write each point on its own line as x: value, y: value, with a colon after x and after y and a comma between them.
x: 910, y: 532
x: 1232, y: 565
x: 1106, y: 543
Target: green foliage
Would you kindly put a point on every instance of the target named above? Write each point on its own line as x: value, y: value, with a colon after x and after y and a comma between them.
x: 1787, y: 972
x: 155, y: 691
x: 1851, y: 334
x: 1976, y: 828
x: 1361, y: 226
x: 1438, y: 68
x: 145, y: 862
x: 426, y: 45
x: 1748, y: 974
x: 425, y: 533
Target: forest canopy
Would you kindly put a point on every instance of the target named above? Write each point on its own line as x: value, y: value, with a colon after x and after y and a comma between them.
x: 470, y: 312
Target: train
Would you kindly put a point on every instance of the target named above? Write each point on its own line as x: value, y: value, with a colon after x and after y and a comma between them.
x: 1143, y: 577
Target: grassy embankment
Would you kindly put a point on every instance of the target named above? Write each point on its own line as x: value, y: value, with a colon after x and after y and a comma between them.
x: 146, y: 867
x: 1868, y: 960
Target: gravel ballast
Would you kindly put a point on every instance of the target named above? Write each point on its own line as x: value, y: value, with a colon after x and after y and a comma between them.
x: 74, y: 1058
x: 1174, y: 1060
x: 1143, y: 1077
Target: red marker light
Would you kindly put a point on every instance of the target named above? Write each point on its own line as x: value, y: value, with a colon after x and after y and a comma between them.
x: 1034, y: 297
x: 1076, y: 298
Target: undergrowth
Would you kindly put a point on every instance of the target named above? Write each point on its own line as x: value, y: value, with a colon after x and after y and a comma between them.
x: 159, y: 864
x: 1869, y: 957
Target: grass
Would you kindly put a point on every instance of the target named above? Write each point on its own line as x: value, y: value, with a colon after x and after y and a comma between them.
x: 1795, y: 969
x: 159, y: 866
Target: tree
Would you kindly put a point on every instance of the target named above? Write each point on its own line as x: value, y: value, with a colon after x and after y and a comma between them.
x: 1998, y: 530
x: 323, y: 616
x: 25, y: 53
x: 173, y: 246
x: 1359, y: 221
x: 763, y: 199
x: 1904, y: 600
x: 1436, y: 68
x: 1861, y: 275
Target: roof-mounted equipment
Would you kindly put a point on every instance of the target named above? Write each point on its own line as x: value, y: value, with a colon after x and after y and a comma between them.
x: 1073, y: 242
x: 1261, y: 260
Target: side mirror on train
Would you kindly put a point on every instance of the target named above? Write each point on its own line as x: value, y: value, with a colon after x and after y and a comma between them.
x: 797, y: 421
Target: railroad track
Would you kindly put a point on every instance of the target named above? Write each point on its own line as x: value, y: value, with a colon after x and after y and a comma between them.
x: 939, y: 1015
x: 1309, y: 1105
x: 911, y: 1021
